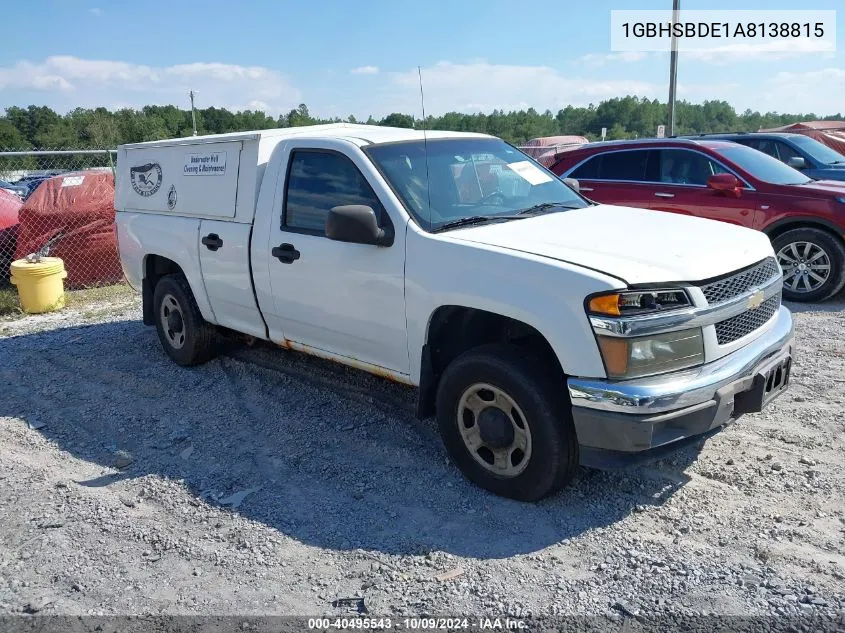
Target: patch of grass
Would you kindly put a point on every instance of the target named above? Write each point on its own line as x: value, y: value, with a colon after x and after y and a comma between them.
x: 78, y: 298
x: 10, y: 306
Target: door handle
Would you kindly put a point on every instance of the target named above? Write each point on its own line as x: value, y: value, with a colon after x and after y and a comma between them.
x: 285, y: 253
x: 585, y: 188
x: 664, y: 195
x: 212, y: 241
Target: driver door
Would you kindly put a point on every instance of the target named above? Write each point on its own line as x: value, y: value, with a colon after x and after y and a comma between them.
x: 339, y: 298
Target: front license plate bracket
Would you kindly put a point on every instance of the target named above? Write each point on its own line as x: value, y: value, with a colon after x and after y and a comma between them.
x: 769, y: 382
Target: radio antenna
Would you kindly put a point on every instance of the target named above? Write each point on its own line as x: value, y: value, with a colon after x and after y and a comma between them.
x: 425, y: 147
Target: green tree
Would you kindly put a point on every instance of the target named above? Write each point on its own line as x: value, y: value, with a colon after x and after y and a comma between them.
x: 398, y: 120
x: 10, y: 137
x: 624, y: 117
x: 300, y: 116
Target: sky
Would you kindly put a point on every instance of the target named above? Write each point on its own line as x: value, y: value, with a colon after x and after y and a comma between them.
x: 360, y: 57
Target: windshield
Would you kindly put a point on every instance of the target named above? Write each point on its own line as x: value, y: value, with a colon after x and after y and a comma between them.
x: 468, y: 178
x: 818, y: 151
x: 763, y: 167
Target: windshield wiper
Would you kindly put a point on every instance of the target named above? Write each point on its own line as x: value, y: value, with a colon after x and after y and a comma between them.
x: 837, y: 162
x: 482, y: 219
x: 473, y: 219
x: 545, y: 206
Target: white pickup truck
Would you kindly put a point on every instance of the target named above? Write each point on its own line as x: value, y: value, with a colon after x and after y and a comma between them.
x: 542, y: 329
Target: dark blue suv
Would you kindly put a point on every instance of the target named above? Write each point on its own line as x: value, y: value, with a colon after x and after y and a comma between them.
x: 812, y: 158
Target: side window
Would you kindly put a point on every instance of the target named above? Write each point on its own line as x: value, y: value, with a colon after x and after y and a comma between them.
x: 588, y: 170
x: 624, y: 165
x: 683, y: 167
x: 767, y: 147
x: 318, y: 181
x: 786, y: 152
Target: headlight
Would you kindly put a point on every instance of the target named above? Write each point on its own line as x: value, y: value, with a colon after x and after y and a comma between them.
x: 632, y: 302
x: 648, y: 355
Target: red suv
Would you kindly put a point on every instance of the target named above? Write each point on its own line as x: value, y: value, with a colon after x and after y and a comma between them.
x: 721, y: 180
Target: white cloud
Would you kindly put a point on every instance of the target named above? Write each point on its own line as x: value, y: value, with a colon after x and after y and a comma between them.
x: 96, y: 11
x: 819, y: 91
x: 365, y: 70
x: 594, y: 60
x: 759, y: 52
x: 68, y: 82
x: 481, y: 86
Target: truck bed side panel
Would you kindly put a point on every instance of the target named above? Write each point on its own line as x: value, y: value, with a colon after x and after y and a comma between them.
x: 174, y: 238
x: 226, y: 273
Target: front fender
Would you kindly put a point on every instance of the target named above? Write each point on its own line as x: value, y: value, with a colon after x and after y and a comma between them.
x: 546, y: 294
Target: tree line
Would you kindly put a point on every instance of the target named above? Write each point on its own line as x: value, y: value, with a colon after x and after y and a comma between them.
x: 40, y: 127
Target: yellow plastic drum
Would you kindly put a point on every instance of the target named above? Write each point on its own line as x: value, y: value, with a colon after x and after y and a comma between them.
x: 40, y: 285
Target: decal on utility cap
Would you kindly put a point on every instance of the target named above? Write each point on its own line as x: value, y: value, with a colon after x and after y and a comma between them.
x: 72, y: 181
x: 146, y: 179
x: 530, y: 172
x: 171, y: 197
x: 205, y: 164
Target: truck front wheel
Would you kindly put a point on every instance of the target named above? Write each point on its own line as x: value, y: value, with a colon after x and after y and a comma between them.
x: 185, y: 336
x: 505, y: 423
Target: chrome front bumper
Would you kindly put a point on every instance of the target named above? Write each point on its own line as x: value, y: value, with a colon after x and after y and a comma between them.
x: 642, y: 414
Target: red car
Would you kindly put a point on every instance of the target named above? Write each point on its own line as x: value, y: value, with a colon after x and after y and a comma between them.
x: 722, y: 180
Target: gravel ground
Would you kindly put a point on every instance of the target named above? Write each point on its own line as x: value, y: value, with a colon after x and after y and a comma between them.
x: 270, y: 483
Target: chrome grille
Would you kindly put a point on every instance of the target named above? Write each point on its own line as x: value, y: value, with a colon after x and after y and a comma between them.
x: 736, y: 327
x: 729, y: 287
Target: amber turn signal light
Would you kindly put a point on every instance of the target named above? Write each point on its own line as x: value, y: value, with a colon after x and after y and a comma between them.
x: 605, y: 304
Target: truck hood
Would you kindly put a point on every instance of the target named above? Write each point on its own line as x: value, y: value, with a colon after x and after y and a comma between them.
x: 638, y: 246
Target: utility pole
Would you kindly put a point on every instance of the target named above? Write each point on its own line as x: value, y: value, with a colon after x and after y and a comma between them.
x: 193, y: 112
x: 673, y: 67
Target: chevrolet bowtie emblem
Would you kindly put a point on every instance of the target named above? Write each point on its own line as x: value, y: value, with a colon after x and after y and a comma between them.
x: 755, y: 300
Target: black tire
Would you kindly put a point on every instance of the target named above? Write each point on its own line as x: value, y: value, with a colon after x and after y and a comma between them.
x: 537, y: 391
x: 834, y: 256
x: 199, y: 340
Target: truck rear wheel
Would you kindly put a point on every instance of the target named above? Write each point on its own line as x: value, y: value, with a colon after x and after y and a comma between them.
x: 813, y: 263
x: 185, y: 336
x: 505, y: 424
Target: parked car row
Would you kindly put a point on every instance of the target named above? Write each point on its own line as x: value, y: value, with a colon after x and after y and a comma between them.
x: 26, y: 186
x: 745, y: 180
x: 814, y: 159
x: 9, y: 187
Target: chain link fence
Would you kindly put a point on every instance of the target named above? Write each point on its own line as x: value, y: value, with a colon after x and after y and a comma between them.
x: 62, y: 201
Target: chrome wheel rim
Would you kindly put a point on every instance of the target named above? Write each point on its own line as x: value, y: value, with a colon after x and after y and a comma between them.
x: 806, y: 266
x: 172, y: 321
x: 494, y: 430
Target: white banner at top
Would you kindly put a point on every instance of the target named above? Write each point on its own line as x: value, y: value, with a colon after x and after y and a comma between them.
x: 724, y: 31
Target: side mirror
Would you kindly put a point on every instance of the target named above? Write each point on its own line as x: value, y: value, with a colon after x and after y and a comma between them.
x: 797, y: 162
x: 358, y: 224
x: 573, y: 184
x: 725, y: 182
